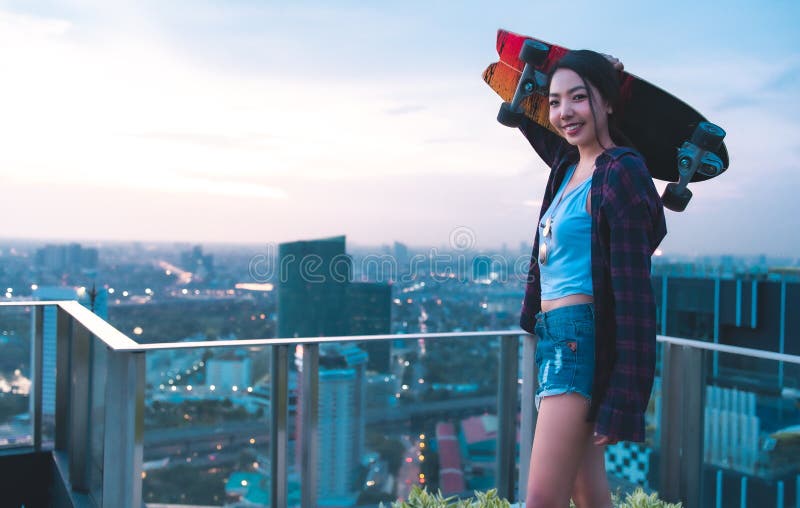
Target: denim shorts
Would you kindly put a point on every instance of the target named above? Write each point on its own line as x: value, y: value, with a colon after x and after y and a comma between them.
x: 565, y: 351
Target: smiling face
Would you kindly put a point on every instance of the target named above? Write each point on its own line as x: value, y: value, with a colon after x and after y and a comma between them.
x: 571, y: 111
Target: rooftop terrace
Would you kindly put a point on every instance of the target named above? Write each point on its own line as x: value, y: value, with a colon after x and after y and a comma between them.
x: 709, y: 441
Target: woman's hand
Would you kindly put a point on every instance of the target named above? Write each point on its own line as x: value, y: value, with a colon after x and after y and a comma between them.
x: 614, y: 61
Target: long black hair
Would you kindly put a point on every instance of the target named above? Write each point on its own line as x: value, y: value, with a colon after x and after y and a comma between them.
x: 594, y: 68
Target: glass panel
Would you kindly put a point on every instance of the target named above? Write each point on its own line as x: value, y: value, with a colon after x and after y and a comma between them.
x: 99, y: 376
x: 206, y: 438
x: 16, y: 337
x: 399, y: 413
x: 632, y: 465
x: 752, y: 433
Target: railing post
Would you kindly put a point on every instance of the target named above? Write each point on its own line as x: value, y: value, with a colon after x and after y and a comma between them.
x: 279, y: 406
x: 528, y: 410
x: 681, y: 455
x: 506, y: 412
x: 693, y: 417
x: 63, y: 368
x: 310, y: 425
x: 80, y: 414
x: 672, y: 396
x: 124, y: 430
x: 37, y: 364
x: 743, y: 492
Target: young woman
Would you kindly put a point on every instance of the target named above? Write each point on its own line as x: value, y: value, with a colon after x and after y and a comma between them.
x: 588, y: 296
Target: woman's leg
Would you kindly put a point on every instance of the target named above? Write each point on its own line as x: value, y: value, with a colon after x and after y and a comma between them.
x: 559, y: 445
x: 591, y: 484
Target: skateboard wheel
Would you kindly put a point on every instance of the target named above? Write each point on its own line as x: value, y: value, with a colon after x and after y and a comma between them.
x: 676, y: 198
x: 533, y: 52
x: 508, y: 117
x: 708, y: 136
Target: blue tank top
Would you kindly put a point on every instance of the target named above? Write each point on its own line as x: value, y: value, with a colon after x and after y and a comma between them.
x: 568, y: 269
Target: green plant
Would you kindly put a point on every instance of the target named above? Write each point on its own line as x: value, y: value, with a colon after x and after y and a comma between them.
x: 639, y: 499
x: 421, y: 498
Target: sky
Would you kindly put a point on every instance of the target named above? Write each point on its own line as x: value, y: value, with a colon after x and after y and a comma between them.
x: 266, y: 121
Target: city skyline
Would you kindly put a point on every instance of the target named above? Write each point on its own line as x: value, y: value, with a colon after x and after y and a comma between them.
x: 270, y: 122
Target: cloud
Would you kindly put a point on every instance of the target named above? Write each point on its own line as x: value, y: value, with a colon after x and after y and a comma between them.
x: 220, y: 187
x: 737, y: 102
x: 253, y: 141
x: 445, y: 141
x: 777, y: 82
x: 786, y: 81
x: 14, y: 25
x: 405, y: 110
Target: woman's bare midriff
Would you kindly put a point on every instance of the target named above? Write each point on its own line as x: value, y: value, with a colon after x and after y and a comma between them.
x: 548, y: 305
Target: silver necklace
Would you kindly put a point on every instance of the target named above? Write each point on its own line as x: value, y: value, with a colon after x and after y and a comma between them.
x: 549, y: 222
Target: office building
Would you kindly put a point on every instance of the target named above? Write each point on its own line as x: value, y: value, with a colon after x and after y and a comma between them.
x: 201, y: 265
x: 369, y: 309
x: 313, y: 278
x: 341, y: 410
x: 72, y: 258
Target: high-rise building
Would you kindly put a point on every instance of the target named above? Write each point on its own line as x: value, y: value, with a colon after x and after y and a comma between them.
x: 66, y: 258
x: 317, y: 298
x: 342, y: 382
x: 369, y: 308
x: 229, y: 372
x: 401, y: 253
x: 742, y: 311
x: 201, y: 265
x: 481, y: 268
x: 312, y: 289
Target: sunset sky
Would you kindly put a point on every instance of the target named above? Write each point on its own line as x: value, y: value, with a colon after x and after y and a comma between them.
x: 259, y: 121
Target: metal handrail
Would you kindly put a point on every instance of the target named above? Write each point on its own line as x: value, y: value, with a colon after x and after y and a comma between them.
x: 118, y: 341
x: 315, y: 340
x: 735, y: 350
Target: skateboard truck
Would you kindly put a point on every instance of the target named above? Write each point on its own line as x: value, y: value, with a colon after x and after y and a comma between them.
x: 533, y: 81
x: 695, y: 156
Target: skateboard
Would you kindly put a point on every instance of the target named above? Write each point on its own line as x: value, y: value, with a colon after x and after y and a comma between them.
x: 678, y: 144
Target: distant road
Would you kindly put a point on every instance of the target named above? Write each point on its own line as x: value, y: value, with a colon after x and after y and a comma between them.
x: 378, y: 415
x: 231, y: 430
x: 242, y: 431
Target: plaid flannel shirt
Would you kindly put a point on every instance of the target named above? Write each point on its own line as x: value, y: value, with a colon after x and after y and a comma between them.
x: 627, y: 225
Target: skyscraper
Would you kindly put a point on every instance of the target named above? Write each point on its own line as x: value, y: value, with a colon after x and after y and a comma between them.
x: 342, y: 382
x: 312, y: 283
x: 70, y: 258
x: 317, y: 298
x: 201, y: 265
x: 369, y: 309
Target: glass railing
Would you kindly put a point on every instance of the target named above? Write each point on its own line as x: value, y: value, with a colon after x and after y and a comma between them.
x: 723, y: 428
x: 425, y: 415
x: 206, y: 426
x: 355, y: 421
x: 751, y: 433
x: 16, y: 339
